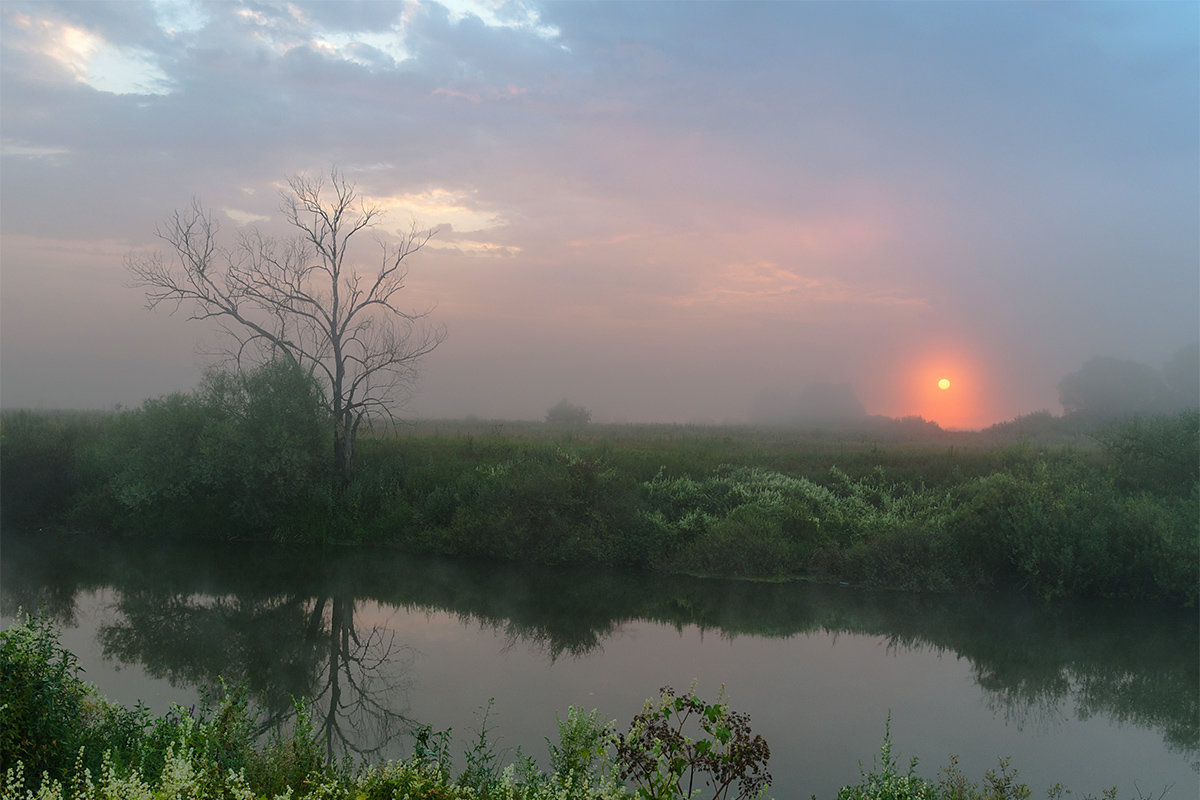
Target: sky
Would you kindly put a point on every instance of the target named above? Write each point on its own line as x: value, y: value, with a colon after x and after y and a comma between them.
x: 662, y: 211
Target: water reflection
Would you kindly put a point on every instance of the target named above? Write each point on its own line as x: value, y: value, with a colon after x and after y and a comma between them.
x: 280, y: 649
x: 200, y: 617
x: 284, y: 623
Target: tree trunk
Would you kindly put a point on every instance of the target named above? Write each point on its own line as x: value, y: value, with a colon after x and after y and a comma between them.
x: 343, y: 453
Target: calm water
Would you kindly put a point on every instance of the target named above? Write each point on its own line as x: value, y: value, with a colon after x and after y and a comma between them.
x: 1089, y: 695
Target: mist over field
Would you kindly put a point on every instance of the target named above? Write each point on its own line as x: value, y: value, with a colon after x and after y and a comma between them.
x: 663, y: 212
x: 381, y: 379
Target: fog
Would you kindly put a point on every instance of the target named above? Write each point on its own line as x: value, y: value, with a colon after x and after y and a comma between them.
x: 665, y: 212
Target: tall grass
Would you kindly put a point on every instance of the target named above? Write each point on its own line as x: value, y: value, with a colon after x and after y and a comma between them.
x: 1114, y: 515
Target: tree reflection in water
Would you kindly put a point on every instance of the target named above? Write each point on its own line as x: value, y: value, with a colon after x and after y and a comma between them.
x: 355, y: 690
x: 282, y: 650
x: 283, y: 623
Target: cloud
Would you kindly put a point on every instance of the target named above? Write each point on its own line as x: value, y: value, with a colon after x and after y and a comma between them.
x: 470, y: 247
x: 20, y: 150
x: 381, y: 48
x: 88, y: 58
x: 743, y: 186
x: 243, y: 217
x: 515, y: 14
x: 438, y: 206
x: 767, y: 288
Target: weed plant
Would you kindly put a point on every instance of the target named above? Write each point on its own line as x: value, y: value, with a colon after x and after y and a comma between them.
x: 661, y: 759
x: 886, y: 781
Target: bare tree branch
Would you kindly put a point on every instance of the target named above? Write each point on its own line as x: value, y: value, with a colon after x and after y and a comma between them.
x: 300, y: 299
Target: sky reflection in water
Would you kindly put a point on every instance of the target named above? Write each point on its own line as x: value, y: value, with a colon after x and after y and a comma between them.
x: 1087, y: 695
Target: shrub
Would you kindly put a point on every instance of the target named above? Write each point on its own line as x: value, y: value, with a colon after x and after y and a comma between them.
x: 581, y: 754
x: 412, y: 781
x: 744, y: 521
x: 745, y: 544
x: 1159, y: 454
x: 244, y: 451
x: 39, y: 463
x: 565, y: 413
x: 51, y: 722
x: 885, y: 782
x: 997, y: 784
x: 907, y: 558
x: 42, y: 700
x: 290, y: 759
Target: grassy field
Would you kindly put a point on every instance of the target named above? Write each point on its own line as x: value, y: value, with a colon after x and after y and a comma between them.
x: 895, y: 503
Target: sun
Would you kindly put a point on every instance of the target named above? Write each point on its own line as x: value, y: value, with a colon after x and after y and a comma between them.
x: 940, y: 385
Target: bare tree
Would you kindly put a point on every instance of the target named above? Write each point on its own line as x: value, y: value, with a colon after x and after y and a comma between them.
x: 301, y: 300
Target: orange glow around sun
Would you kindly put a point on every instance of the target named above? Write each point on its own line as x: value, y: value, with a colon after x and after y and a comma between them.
x: 942, y: 385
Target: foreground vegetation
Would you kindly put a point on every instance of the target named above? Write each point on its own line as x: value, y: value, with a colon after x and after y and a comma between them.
x: 60, y: 740
x: 1114, y: 513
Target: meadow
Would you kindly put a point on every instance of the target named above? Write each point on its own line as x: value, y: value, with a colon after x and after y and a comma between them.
x: 1112, y: 513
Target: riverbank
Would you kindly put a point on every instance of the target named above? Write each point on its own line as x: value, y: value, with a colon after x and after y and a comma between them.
x: 1114, y: 515
x: 57, y: 725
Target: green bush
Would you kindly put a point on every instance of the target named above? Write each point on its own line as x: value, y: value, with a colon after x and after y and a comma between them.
x: 291, y: 758
x: 541, y: 504
x: 39, y: 463
x: 1158, y: 454
x: 1060, y: 527
x: 51, y: 722
x: 582, y: 752
x: 745, y: 544
x: 907, y: 558
x: 42, y: 700
x: 246, y: 452
x: 397, y: 779
x: 743, y: 521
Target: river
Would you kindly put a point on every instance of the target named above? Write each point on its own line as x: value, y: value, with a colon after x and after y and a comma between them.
x: 1087, y: 694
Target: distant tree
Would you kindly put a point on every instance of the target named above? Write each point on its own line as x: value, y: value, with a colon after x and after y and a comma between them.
x: 914, y: 424
x: 1108, y: 388
x: 1181, y: 379
x: 565, y: 413
x: 1035, y: 425
x: 300, y: 300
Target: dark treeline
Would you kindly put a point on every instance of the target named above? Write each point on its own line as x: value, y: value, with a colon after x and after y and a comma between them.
x: 1111, y: 513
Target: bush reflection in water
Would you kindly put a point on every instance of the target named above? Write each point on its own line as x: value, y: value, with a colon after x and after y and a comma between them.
x: 283, y: 623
